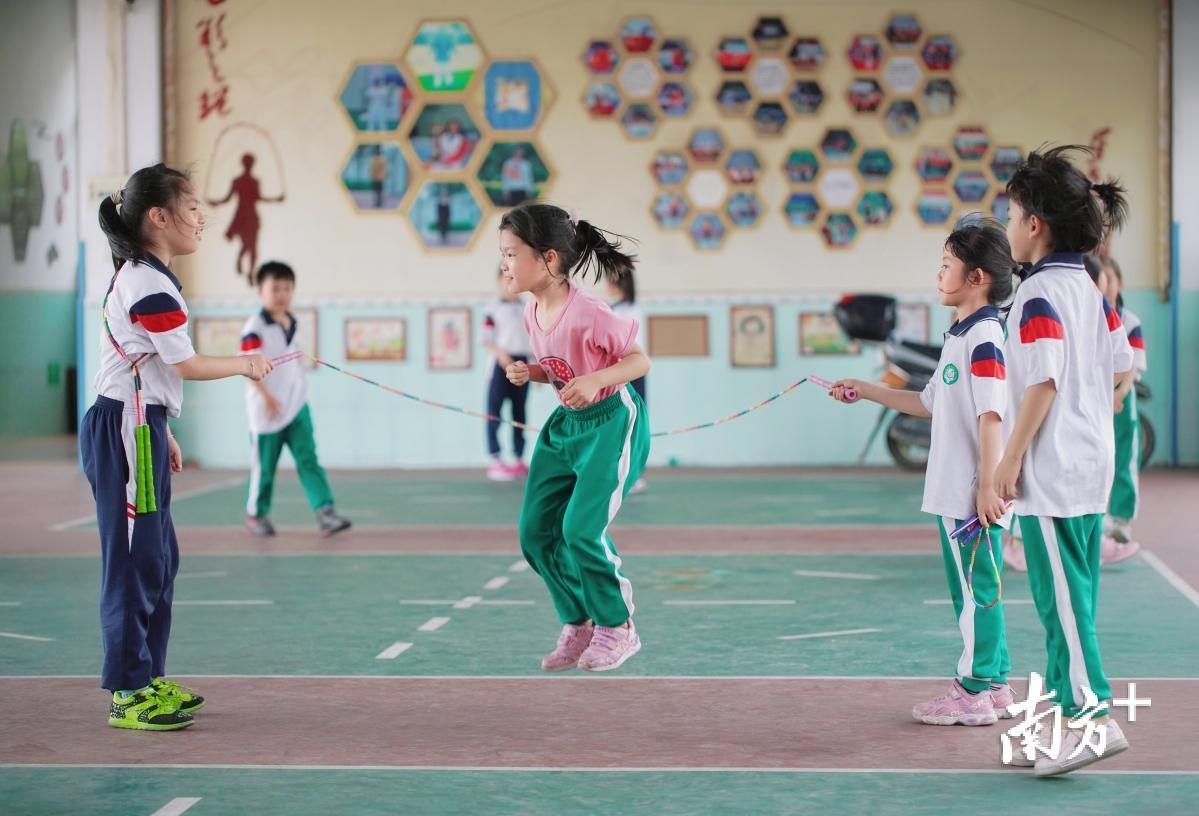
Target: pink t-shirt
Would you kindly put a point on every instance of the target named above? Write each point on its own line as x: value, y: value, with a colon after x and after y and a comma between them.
x: 586, y: 338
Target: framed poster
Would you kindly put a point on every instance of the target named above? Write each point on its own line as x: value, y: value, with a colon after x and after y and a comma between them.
x: 306, y: 335
x: 376, y: 338
x: 217, y: 336
x: 751, y: 336
x: 678, y: 336
x: 819, y: 333
x: 911, y: 322
x: 449, y: 338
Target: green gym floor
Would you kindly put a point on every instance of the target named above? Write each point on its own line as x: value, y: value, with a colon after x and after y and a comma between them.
x: 790, y: 619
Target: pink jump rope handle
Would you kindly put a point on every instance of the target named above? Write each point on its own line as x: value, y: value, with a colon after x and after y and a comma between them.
x: 851, y: 394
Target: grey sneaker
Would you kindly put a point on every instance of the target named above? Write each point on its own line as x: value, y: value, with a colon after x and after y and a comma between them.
x: 260, y: 526
x: 328, y: 522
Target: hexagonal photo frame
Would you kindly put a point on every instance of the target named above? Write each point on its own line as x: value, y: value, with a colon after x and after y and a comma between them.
x: 903, y: 31
x: 999, y: 207
x: 838, y: 145
x: 1005, y: 162
x: 444, y: 136
x: 638, y: 35
x: 801, y: 210
x: 743, y: 167
x: 515, y: 94
x: 444, y: 56
x: 806, y: 54
x: 801, y: 166
x: 970, y: 142
x: 770, y: 76
x: 376, y: 176
x: 675, y: 56
x: 770, y: 33
x: 744, y: 209
x: 838, y: 187
x: 602, y: 100
x: 733, y: 54
x: 934, y: 207
x: 865, y: 95
x: 940, y: 53
x: 733, y: 98
x: 675, y: 99
x: 902, y: 117
x: 601, y: 57
x: 939, y: 95
x: 875, y: 165
x: 839, y: 230
x: 375, y: 96
x: 638, y: 77
x: 670, y: 210
x: 706, y: 145
x: 806, y: 96
x: 639, y: 120
x: 971, y: 186
x: 707, y: 188
x: 866, y: 53
x: 512, y: 173
x: 875, y: 208
x: 669, y: 168
x: 933, y: 164
x: 707, y: 230
x: 446, y: 215
x: 903, y: 75
x: 769, y: 118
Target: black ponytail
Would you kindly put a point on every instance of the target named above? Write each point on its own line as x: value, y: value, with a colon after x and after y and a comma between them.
x: 583, y: 247
x: 981, y: 243
x: 122, y: 213
x: 1080, y: 215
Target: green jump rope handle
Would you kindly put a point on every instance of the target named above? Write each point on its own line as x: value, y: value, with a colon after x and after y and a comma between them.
x: 146, y: 500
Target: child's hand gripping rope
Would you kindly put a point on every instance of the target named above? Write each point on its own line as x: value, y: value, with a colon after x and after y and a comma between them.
x: 840, y: 390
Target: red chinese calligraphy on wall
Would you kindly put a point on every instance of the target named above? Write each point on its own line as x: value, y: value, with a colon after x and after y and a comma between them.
x: 211, y: 39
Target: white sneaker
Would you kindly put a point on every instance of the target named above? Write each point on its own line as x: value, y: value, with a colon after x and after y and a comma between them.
x: 1064, y: 763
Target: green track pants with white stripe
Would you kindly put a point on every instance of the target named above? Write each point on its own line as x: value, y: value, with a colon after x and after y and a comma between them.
x: 583, y: 466
x: 984, y: 657
x: 1063, y: 571
x: 1123, y: 502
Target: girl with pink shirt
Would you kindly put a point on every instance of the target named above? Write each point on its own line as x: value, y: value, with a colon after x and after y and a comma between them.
x: 594, y: 446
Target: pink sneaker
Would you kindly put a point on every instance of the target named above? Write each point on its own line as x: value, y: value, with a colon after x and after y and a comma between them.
x: 957, y: 706
x: 610, y: 647
x: 571, y: 643
x: 519, y: 470
x: 1013, y: 554
x: 499, y: 472
x: 1001, y: 698
x: 1113, y: 551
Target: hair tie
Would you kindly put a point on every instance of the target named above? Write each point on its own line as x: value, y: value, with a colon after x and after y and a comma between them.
x: 118, y: 196
x: 574, y: 218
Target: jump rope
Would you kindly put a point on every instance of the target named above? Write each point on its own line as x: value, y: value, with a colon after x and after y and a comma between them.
x: 970, y: 531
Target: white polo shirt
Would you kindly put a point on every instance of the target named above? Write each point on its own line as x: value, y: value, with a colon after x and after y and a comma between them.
x: 1136, y: 339
x: 286, y: 383
x: 1066, y: 331
x: 148, y: 318
x: 504, y: 326
x: 630, y: 311
x: 970, y: 380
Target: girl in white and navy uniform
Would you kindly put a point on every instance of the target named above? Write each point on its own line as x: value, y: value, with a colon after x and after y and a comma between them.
x: 127, y: 449
x: 967, y: 399
x: 507, y: 341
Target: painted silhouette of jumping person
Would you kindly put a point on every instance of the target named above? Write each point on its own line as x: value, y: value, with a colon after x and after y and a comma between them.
x: 245, y: 221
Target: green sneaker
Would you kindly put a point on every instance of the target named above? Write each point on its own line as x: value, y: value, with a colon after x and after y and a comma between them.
x: 146, y: 711
x: 183, y: 697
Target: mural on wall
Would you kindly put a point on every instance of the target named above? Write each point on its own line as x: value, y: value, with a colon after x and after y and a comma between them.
x: 235, y: 162
x: 449, y: 338
x: 444, y: 56
x: 376, y: 96
x: 21, y: 190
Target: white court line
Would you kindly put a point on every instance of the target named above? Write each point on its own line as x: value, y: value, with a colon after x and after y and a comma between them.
x: 497, y: 582
x: 178, y: 805
x: 579, y: 769
x: 175, y: 498
x: 567, y: 677
x: 1172, y: 578
x: 224, y: 603
x: 728, y: 603
x: 432, y: 624
x: 480, y: 602
x: 853, y: 576
x: 467, y: 602
x: 519, y: 566
x: 393, y: 651
x: 947, y: 602
x: 829, y: 634
x: 213, y: 574
x: 15, y: 636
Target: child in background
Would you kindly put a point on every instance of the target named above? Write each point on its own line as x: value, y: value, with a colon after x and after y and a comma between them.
x: 967, y: 399
x: 1063, y: 362
x: 594, y: 445
x: 278, y: 409
x: 624, y: 290
x: 507, y: 341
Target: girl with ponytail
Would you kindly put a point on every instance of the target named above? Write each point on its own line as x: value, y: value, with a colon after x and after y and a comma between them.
x: 595, y: 444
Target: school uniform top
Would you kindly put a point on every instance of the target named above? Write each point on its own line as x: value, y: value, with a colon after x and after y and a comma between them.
x: 628, y: 309
x: 970, y: 380
x: 1136, y: 339
x: 504, y: 326
x: 147, y: 316
x: 263, y: 335
x: 1068, y: 333
x: 585, y: 337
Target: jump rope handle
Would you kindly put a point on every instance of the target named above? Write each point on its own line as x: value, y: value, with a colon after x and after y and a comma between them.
x: 850, y: 394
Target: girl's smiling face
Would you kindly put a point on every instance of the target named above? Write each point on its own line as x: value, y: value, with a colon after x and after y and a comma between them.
x: 180, y: 228
x: 522, y: 267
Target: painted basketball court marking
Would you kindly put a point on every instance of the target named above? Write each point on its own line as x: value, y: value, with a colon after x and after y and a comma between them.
x: 432, y: 624
x: 177, y: 497
x: 225, y: 603
x: 177, y: 806
x: 851, y: 576
x: 393, y: 651
x: 16, y: 636
x: 829, y: 634
x: 1172, y: 578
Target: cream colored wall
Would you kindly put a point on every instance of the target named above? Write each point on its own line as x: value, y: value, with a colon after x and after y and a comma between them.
x: 1030, y: 72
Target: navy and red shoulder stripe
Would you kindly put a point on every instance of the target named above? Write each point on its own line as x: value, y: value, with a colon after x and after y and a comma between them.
x: 158, y: 313
x: 251, y: 342
x: 1040, y: 321
x: 1112, y: 316
x: 987, y: 361
x: 1136, y: 338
